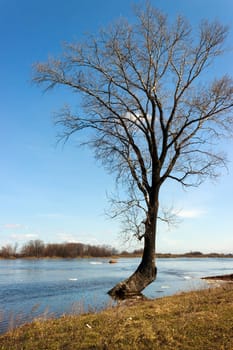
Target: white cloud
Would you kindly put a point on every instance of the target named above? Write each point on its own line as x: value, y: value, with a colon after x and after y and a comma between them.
x: 190, y: 214
x: 84, y: 238
x: 67, y: 237
x: 23, y: 237
x: 12, y: 226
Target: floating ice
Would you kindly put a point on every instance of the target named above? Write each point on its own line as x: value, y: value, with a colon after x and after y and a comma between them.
x: 187, y: 277
x: 96, y: 262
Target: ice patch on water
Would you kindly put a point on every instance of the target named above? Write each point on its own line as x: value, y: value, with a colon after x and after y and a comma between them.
x: 187, y: 277
x: 73, y: 279
x: 96, y: 262
x: 165, y: 287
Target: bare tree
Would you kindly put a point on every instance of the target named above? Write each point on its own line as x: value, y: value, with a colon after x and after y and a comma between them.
x: 34, y: 248
x: 149, y: 110
x: 8, y: 251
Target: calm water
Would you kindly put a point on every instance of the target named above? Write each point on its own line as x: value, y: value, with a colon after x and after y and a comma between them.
x: 30, y: 288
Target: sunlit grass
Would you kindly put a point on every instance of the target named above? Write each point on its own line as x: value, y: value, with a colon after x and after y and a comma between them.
x: 200, y: 320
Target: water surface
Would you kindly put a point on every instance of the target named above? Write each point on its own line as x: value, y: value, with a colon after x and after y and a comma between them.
x: 31, y: 288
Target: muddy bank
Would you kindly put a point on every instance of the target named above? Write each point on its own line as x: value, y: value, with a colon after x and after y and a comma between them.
x: 220, y: 278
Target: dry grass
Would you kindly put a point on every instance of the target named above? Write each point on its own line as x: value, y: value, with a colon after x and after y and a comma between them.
x: 200, y: 320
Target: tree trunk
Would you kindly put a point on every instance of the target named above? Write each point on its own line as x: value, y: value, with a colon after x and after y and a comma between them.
x: 146, y: 271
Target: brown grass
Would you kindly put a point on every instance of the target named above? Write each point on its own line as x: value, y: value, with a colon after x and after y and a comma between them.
x: 199, y: 320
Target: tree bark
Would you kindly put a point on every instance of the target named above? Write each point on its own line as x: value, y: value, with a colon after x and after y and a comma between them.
x: 146, y: 271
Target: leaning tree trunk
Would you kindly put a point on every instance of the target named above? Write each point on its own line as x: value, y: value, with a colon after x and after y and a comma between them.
x: 146, y: 271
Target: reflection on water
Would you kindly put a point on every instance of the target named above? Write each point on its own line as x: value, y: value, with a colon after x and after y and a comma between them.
x: 29, y: 288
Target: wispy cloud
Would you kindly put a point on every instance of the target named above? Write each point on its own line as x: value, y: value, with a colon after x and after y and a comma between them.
x: 190, y: 213
x: 86, y: 239
x: 67, y: 237
x: 12, y: 226
x: 24, y: 237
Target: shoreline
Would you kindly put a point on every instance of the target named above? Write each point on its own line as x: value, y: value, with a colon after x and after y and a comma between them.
x: 189, y: 320
x: 120, y: 256
x: 223, y: 278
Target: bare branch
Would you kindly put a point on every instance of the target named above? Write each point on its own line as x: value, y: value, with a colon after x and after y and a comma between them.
x: 145, y: 110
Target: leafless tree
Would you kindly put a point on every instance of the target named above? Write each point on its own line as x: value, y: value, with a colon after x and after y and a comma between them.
x: 9, y: 251
x: 149, y: 110
x: 34, y: 248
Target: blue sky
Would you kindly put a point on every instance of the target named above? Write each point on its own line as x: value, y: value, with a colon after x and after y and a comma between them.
x: 57, y: 193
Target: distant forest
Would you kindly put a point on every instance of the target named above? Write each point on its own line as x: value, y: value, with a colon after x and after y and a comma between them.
x: 38, y: 249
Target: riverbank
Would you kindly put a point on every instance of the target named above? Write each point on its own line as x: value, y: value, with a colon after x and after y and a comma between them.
x: 223, y: 278
x: 124, y: 255
x: 188, y: 321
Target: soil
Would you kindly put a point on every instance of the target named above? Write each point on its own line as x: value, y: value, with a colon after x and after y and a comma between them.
x: 220, y: 278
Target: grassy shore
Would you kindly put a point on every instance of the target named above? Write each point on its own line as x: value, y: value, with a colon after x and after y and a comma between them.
x: 197, y: 320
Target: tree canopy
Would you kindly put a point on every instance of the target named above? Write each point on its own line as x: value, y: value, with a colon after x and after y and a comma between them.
x: 149, y: 110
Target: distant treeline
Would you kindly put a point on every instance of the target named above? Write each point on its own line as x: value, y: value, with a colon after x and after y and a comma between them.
x: 38, y: 249
x: 192, y: 254
x: 195, y: 255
